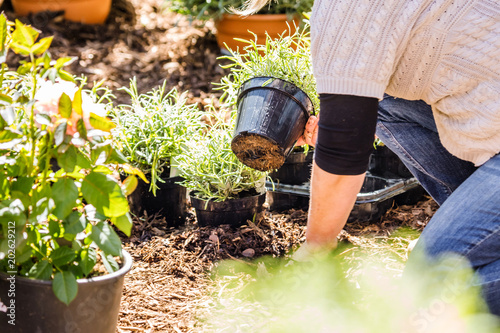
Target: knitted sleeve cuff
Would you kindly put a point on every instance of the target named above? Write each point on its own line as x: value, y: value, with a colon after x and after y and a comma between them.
x: 347, y: 86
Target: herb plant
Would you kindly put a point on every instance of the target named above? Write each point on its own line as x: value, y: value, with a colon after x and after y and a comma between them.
x: 152, y: 130
x: 214, y: 9
x: 287, y: 58
x: 58, y: 194
x: 212, y: 172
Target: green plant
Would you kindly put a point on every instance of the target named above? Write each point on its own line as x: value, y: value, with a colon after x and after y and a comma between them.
x: 327, y: 293
x: 211, y: 170
x: 153, y: 129
x: 214, y: 9
x: 287, y: 58
x: 57, y: 159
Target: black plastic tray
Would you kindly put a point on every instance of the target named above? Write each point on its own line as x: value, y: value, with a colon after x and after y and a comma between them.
x: 375, y: 198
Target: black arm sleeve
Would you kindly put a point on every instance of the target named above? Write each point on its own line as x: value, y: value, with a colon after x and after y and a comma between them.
x: 346, y: 131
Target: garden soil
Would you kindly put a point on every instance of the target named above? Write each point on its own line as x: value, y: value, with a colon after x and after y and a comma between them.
x: 169, y: 284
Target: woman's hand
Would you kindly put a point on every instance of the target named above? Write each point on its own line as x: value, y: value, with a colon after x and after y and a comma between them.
x: 310, y: 132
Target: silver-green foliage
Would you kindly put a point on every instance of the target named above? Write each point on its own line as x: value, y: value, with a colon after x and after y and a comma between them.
x: 211, y: 170
x: 154, y: 128
x: 287, y: 58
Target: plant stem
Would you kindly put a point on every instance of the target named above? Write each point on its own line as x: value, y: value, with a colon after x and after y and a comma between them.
x: 31, y: 165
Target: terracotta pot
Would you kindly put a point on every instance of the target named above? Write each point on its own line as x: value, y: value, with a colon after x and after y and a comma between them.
x: 83, y: 11
x: 234, y: 26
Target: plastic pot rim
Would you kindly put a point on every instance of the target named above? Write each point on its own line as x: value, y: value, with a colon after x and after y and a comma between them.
x: 127, y: 265
x: 193, y: 196
x: 241, y: 93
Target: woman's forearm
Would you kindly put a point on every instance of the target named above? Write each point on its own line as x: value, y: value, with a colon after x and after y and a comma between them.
x: 331, y: 201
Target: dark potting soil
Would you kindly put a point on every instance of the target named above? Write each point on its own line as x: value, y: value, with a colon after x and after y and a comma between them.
x: 257, y: 152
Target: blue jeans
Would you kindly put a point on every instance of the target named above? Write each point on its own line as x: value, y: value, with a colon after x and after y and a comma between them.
x: 467, y: 222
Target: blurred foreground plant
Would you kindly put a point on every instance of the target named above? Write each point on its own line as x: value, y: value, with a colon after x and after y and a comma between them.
x: 326, y: 294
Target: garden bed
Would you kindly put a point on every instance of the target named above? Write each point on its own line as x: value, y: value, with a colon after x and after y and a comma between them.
x: 169, y: 287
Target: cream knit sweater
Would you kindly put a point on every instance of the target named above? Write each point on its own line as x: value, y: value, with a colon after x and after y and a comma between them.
x: 445, y: 52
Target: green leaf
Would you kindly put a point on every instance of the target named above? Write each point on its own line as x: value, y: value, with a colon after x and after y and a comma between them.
x: 82, y: 161
x: 68, y: 160
x: 55, y: 229
x: 3, y: 38
x: 20, y: 49
x: 105, y: 194
x: 77, y: 271
x: 24, y: 34
x: 62, y: 256
x: 4, y: 187
x: 9, y: 134
x: 75, y: 223
x: 65, y: 194
x: 43, y: 119
x: 89, y: 259
x: 60, y: 133
x: 24, y: 252
x: 23, y: 38
x: 80, y: 127
x: 64, y: 61
x: 40, y: 211
x: 5, y: 98
x: 65, y: 286
x: 46, y: 60
x: 123, y: 223
x: 65, y: 106
x: 101, y: 123
x: 106, y: 238
x: 65, y: 75
x: 110, y: 263
x: 8, y: 114
x: 77, y: 102
x: 42, y: 46
x: 23, y: 184
x: 130, y: 184
x: 42, y: 270
x: 116, y: 156
x: 12, y: 211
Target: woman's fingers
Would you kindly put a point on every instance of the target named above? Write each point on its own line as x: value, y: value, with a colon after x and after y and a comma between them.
x: 310, y: 134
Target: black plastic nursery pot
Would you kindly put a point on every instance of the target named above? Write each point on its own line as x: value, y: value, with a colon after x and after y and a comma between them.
x: 385, y: 163
x: 281, y: 201
x: 272, y: 114
x: 296, y: 170
x: 170, y: 201
x: 33, y: 307
x: 234, y: 212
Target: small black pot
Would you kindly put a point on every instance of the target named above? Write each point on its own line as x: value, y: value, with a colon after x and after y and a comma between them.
x: 170, y: 201
x: 37, y: 310
x: 296, y: 170
x: 234, y: 211
x: 272, y: 114
x: 385, y: 163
